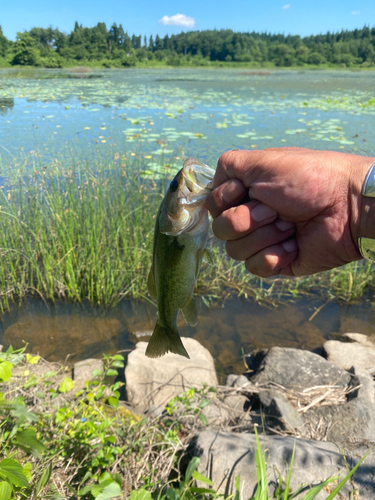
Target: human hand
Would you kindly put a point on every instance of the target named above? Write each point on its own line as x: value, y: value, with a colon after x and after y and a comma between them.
x: 291, y: 211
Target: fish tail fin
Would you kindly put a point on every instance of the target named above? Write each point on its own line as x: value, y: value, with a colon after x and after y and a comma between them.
x: 165, y: 340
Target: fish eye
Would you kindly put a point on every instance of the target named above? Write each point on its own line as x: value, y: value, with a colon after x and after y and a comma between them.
x: 173, y: 186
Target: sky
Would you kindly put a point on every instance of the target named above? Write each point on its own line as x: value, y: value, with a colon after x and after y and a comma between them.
x: 151, y: 17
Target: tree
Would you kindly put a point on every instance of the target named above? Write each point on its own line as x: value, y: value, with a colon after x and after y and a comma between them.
x: 3, y: 44
x: 25, y: 52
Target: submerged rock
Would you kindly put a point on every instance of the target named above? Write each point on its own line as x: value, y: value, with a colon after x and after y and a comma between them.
x: 156, y: 381
x: 54, y: 337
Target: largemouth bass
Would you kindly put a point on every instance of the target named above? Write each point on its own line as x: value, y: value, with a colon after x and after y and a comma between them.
x: 180, y: 239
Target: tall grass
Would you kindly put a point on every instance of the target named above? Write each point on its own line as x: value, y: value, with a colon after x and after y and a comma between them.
x: 83, y: 231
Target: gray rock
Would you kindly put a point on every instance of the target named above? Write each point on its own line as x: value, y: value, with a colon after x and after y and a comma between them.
x: 1, y: 348
x: 281, y: 414
x: 237, y: 381
x: 223, y: 456
x: 156, y: 381
x: 267, y: 396
x: 350, y: 423
x: 236, y: 402
x: 216, y: 414
x: 360, y: 353
x: 297, y: 369
x: 83, y: 370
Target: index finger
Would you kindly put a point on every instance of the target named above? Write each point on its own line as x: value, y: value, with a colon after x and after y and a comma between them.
x: 245, y: 165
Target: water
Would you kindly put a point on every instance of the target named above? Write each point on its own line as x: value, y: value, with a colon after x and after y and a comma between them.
x: 73, y: 332
x: 166, y: 114
x: 162, y: 116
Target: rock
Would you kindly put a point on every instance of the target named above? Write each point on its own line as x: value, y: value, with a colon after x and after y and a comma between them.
x: 360, y: 353
x: 237, y: 402
x: 216, y: 414
x: 82, y: 370
x: 267, y: 396
x: 54, y: 337
x: 237, y: 381
x: 223, y: 456
x: 350, y: 423
x: 297, y: 369
x: 138, y: 336
x: 155, y: 411
x: 366, y: 386
x: 1, y: 348
x: 281, y: 414
x: 156, y: 381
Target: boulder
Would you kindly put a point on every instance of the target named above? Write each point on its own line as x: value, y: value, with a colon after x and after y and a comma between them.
x: 297, y: 369
x: 156, y: 381
x: 360, y: 352
x: 223, y: 456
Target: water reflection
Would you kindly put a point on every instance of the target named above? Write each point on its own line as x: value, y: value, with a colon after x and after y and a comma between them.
x: 79, y: 331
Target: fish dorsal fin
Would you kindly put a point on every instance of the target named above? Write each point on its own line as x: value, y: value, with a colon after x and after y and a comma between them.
x: 151, y: 288
x: 189, y: 312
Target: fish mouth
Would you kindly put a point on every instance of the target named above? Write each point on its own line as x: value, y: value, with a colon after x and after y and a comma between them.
x: 197, y: 176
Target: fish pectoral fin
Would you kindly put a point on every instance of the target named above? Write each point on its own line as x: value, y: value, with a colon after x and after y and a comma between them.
x: 208, y: 258
x: 189, y: 312
x: 151, y: 288
x: 165, y: 340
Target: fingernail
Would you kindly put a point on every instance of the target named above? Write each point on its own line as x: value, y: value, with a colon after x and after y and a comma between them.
x: 290, y: 245
x: 232, y: 192
x: 284, y: 225
x: 262, y: 212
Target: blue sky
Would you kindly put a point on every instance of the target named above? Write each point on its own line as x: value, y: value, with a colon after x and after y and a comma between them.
x: 143, y: 17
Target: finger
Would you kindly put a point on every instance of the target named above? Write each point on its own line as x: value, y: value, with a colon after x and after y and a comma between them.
x: 273, y: 260
x: 227, y: 195
x: 237, y: 222
x: 266, y: 236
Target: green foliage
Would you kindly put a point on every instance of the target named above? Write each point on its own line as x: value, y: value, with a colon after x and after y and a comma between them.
x: 25, y: 52
x: 52, y: 48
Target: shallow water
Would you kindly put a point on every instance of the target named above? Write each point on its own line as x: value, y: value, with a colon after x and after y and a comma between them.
x: 71, y: 331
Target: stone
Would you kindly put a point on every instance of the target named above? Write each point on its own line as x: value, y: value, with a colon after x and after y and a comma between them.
x: 236, y: 402
x: 282, y: 415
x: 360, y: 353
x: 216, y: 414
x: 82, y: 370
x: 141, y: 335
x: 297, y: 369
x: 224, y: 455
x: 350, y: 423
x: 155, y: 381
x: 267, y: 396
x: 54, y: 337
x: 237, y: 381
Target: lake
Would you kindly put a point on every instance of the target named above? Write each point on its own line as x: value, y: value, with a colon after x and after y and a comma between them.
x: 162, y: 116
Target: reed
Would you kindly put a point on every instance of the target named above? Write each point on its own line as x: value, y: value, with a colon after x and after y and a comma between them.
x: 82, y: 229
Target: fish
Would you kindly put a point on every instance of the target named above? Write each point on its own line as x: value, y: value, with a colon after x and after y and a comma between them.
x: 180, y: 240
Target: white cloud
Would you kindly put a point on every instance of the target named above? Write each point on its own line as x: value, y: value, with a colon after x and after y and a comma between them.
x: 287, y: 6
x: 178, y: 20
x: 355, y: 12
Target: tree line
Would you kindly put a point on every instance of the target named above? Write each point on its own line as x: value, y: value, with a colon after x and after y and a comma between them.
x: 114, y: 47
